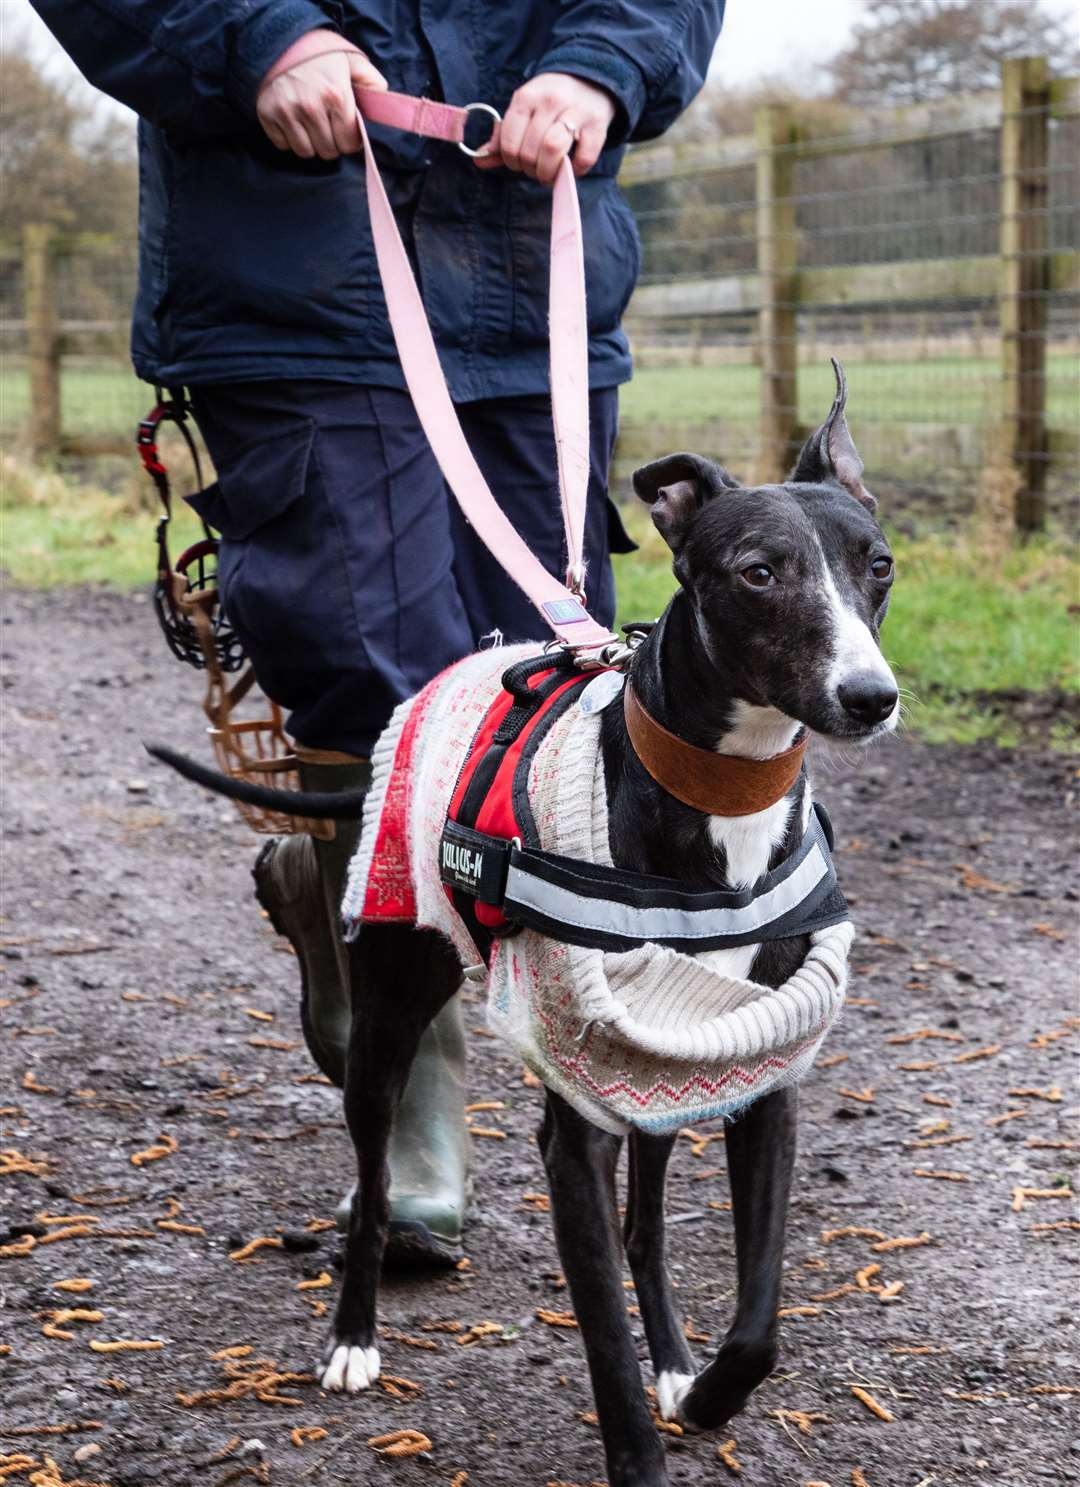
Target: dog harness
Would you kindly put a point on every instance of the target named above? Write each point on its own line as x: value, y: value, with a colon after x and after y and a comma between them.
x: 500, y: 879
x: 487, y: 821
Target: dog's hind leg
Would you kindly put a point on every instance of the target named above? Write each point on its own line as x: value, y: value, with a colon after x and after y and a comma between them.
x: 400, y: 979
x: 761, y: 1154
x: 646, y: 1252
x: 580, y: 1160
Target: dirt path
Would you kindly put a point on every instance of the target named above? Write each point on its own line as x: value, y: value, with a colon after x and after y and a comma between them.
x: 145, y: 1003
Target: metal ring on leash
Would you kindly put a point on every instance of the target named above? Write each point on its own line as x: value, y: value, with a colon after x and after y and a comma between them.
x: 482, y: 108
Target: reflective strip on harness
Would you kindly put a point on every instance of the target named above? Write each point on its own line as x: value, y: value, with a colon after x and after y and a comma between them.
x: 500, y: 880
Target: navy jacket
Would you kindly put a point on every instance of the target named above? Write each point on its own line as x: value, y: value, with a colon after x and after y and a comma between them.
x: 255, y: 264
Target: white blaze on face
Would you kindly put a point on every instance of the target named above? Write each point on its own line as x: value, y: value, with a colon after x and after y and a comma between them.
x: 855, y: 650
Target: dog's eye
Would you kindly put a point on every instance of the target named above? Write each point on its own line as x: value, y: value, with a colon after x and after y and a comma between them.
x: 882, y: 568
x: 758, y: 576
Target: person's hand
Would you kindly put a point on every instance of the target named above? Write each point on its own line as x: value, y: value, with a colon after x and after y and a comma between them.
x: 545, y: 118
x: 311, y: 108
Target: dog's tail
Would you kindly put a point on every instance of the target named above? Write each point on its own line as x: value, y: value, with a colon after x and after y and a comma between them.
x: 320, y: 805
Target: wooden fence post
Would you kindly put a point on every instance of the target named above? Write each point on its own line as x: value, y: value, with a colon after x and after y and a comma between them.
x: 1025, y: 281
x: 777, y: 261
x: 43, y: 339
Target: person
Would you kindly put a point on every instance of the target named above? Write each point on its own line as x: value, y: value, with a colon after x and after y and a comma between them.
x: 345, y: 566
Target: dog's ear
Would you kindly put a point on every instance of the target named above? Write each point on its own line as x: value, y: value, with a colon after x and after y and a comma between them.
x: 676, y: 487
x: 830, y: 453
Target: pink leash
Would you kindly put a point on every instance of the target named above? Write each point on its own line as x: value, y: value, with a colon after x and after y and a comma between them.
x: 560, y: 604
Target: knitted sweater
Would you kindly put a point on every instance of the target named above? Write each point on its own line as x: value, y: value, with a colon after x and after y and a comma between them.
x: 651, y: 1038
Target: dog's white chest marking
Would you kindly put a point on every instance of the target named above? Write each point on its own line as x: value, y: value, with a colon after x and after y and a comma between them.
x: 748, y: 842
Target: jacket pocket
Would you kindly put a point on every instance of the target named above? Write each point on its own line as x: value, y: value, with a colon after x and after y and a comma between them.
x: 257, y: 483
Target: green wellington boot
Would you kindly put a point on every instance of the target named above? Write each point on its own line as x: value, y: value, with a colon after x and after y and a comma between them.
x: 299, y: 881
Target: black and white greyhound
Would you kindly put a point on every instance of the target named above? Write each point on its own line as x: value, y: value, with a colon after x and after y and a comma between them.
x: 773, y: 630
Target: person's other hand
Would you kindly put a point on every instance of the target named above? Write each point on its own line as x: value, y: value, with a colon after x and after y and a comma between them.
x: 545, y: 118
x: 310, y: 108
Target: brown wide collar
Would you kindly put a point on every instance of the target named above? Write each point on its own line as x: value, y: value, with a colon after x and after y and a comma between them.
x: 718, y: 784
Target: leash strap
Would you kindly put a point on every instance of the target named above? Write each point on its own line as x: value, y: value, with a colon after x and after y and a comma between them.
x: 560, y: 605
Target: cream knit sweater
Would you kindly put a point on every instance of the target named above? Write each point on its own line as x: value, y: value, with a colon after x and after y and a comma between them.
x: 650, y: 1038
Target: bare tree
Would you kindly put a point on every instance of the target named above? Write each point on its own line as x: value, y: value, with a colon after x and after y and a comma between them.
x: 909, y: 51
x: 59, y: 161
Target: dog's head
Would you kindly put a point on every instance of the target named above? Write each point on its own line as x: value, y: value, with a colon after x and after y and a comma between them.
x: 788, y: 584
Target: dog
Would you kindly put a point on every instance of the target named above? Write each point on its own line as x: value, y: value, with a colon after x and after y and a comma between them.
x: 772, y: 632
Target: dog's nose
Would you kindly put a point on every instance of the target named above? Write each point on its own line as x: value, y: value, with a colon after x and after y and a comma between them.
x: 867, y: 697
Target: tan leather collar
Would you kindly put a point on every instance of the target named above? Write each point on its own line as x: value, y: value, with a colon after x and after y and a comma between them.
x: 719, y: 784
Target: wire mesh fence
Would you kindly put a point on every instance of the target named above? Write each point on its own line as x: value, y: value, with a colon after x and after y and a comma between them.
x: 935, y: 252
x: 935, y: 256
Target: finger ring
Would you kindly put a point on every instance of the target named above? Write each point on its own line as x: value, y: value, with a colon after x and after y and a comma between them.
x: 573, y: 128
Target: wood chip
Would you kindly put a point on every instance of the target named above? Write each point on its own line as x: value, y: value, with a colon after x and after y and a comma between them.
x: 941, y: 1176
x: 865, y: 1096
x: 867, y: 1399
x: 163, y: 1147
x: 400, y: 1443
x: 1020, y: 1195
x: 934, y: 1099
x: 999, y: 1120
x: 246, y: 1251
x: 281, y: 1045
x: 125, y: 1345
x: 857, y: 1478
x: 1053, y: 1094
x: 258, y: 1015
x: 301, y: 1435
x: 481, y: 1329
x: 835, y: 1295
x: 726, y: 1454
x: 919, y: 1066
x: 1060, y: 1224
x: 803, y: 1420
x: 976, y: 1053
x: 77, y: 1284
x: 902, y: 1241
x: 799, y: 1311
x: 850, y: 1231
x: 922, y: 1033
x: 322, y: 1280
x: 489, y: 1131
x: 479, y: 1105
x: 555, y: 1318
x: 30, y: 1082
x: 957, y: 1139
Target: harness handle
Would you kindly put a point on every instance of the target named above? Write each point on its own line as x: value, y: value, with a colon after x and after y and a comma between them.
x: 560, y: 604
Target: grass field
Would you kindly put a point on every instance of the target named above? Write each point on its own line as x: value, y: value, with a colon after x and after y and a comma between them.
x: 109, y: 400
x: 966, y: 622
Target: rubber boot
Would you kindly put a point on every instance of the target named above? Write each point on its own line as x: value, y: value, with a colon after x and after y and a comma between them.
x: 300, y: 881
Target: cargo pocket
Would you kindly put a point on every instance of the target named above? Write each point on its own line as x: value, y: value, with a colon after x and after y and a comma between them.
x: 267, y: 563
x: 257, y: 484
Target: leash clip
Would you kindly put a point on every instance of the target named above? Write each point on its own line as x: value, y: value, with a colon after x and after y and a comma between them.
x: 479, y: 108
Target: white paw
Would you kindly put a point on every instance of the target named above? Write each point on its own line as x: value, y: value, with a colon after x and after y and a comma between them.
x: 671, y: 1390
x: 351, y: 1369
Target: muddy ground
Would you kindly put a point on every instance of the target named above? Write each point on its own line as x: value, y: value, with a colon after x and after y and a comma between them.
x: 147, y: 1005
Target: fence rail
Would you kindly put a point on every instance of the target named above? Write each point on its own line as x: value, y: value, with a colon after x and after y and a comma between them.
x: 935, y: 247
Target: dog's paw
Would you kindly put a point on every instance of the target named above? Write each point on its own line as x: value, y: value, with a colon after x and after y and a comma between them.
x: 671, y: 1389
x: 348, y: 1368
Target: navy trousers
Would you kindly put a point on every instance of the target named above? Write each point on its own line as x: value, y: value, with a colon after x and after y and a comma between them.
x: 345, y: 564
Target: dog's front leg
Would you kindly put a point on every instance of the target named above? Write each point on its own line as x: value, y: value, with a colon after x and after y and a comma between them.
x: 761, y: 1153
x: 580, y: 1161
x: 646, y: 1251
x: 400, y: 978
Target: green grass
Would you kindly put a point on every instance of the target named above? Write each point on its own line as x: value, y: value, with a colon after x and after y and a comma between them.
x: 54, y: 532
x: 946, y: 390
x: 965, y: 623
x: 108, y: 400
